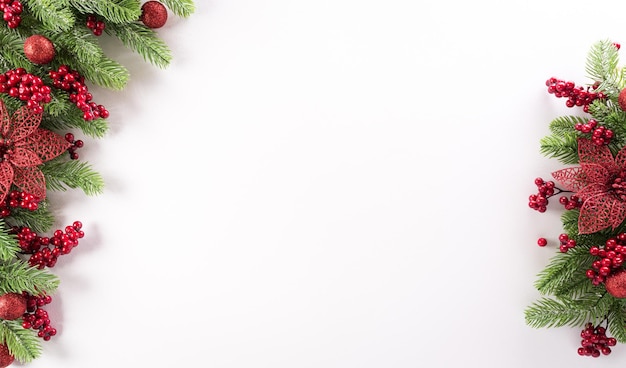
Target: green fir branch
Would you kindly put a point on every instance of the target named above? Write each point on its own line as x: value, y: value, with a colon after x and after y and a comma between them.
x: 547, y: 312
x: 8, y: 243
x: 563, y: 147
x: 61, y: 175
x: 40, y: 221
x: 601, y: 66
x: 12, y: 49
x: 54, y: 15
x: 182, y: 8
x: 18, y: 276
x: 562, y: 269
x: 565, y: 124
x: 106, y: 73
x: 115, y: 11
x: 59, y: 105
x: 617, y: 320
x: 22, y: 343
x: 144, y: 41
x: 80, y: 43
x: 96, y: 128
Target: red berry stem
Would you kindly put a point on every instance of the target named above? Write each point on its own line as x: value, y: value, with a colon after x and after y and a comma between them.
x: 576, y: 96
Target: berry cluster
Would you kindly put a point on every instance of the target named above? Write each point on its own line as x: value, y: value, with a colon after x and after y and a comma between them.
x: 17, y: 199
x: 611, y: 256
x: 96, y: 26
x: 12, y: 10
x: 71, y: 81
x: 576, y: 96
x: 545, y: 190
x: 75, y: 144
x: 600, y: 135
x: 595, y: 341
x: 27, y: 87
x: 566, y: 243
x: 36, y: 317
x: 570, y: 203
x: 45, y: 251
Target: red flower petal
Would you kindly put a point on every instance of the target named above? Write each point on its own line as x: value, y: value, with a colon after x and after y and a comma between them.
x: 591, y: 153
x: 5, y: 120
x: 595, y: 213
x: 618, y: 213
x: 6, y: 178
x: 572, y: 178
x: 595, y: 173
x: 591, y: 190
x: 31, y: 180
x: 620, y: 159
x: 23, y: 157
x: 46, y: 144
x: 25, y: 122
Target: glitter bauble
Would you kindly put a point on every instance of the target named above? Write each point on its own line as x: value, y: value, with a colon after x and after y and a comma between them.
x: 12, y: 306
x: 5, y: 357
x: 616, y: 284
x: 153, y: 14
x: 39, y: 50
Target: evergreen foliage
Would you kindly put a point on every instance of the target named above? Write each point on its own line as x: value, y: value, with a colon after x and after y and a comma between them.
x: 64, y: 23
x: 568, y: 297
x: 22, y: 343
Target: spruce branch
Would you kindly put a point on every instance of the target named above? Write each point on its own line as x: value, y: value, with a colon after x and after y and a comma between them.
x: 115, y: 11
x: 565, y: 124
x: 22, y: 343
x: 562, y: 268
x: 182, y: 8
x: 61, y: 175
x: 547, y: 312
x: 563, y: 147
x: 144, y: 41
x: 12, y: 49
x: 79, y: 43
x: 601, y: 66
x: 96, y: 128
x: 18, y: 276
x: 54, y: 15
x: 39, y: 221
x: 8, y: 243
x: 105, y: 73
x: 617, y: 321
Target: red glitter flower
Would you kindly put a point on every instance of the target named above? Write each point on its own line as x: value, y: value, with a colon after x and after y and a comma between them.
x: 600, y: 183
x: 23, y: 147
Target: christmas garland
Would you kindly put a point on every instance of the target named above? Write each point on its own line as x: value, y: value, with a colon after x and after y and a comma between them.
x: 49, y: 55
x: 584, y: 284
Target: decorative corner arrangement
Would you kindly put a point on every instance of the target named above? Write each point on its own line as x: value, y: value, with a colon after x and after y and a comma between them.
x: 50, y: 54
x: 584, y: 283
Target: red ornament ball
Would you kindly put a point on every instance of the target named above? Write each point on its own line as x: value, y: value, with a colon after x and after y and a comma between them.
x: 12, y: 306
x: 153, y: 14
x: 616, y: 284
x: 5, y: 356
x: 621, y: 99
x: 39, y: 50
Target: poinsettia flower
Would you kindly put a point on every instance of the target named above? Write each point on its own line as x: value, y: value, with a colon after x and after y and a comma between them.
x: 23, y: 147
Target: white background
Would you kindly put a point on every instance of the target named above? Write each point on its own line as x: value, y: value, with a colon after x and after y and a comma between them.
x: 329, y: 183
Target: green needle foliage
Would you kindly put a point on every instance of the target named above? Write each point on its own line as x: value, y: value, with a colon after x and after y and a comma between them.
x: 568, y: 297
x: 64, y: 23
x: 16, y: 277
x: 22, y: 343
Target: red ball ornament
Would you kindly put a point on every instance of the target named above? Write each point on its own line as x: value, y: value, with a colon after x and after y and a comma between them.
x: 12, y: 306
x: 153, y: 14
x: 6, y: 359
x: 621, y: 99
x: 616, y: 284
x: 39, y: 50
